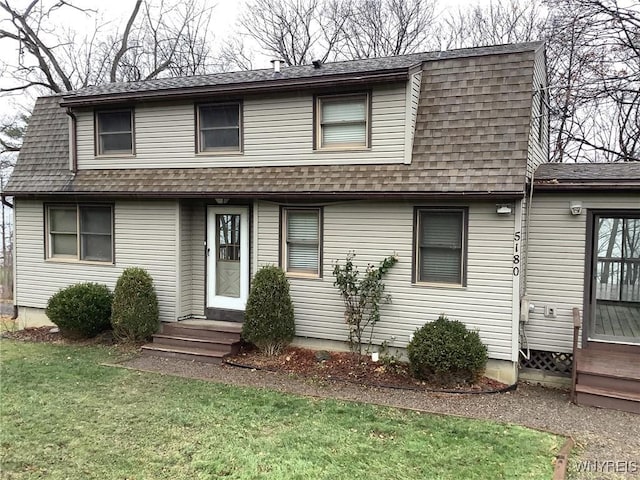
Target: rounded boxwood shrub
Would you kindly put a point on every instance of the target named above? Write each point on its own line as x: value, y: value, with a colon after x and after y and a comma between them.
x: 446, y: 352
x: 135, y: 314
x: 269, y: 322
x: 82, y: 310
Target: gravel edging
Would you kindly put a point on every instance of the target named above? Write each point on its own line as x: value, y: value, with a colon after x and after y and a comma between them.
x: 600, y: 435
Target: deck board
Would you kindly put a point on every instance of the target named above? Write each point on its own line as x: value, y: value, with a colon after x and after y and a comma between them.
x: 617, y: 319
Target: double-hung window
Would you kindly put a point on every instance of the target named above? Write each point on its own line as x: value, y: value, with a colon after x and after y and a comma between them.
x: 220, y: 127
x: 441, y: 245
x: 80, y: 232
x: 342, y: 121
x: 114, y: 132
x: 302, y: 241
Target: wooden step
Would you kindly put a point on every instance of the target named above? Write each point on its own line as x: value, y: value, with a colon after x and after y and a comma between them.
x: 611, y: 364
x: 608, y: 398
x: 608, y: 382
x: 217, y: 344
x: 193, y: 331
x: 194, y: 354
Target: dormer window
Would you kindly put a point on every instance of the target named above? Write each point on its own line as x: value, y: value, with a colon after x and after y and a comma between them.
x: 219, y: 127
x: 114, y: 132
x: 342, y: 121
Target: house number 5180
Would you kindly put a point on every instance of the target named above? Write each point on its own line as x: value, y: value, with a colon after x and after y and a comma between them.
x: 516, y: 254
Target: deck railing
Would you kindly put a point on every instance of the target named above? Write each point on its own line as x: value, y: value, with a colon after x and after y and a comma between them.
x: 618, y: 279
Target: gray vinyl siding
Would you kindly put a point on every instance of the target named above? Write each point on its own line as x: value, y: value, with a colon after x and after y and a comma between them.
x: 145, y: 236
x: 413, y: 99
x: 556, y: 263
x: 538, y: 147
x: 198, y: 236
x: 376, y: 230
x: 186, y: 246
x: 277, y: 130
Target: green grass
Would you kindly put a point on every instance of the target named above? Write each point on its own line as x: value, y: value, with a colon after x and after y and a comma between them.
x: 66, y: 417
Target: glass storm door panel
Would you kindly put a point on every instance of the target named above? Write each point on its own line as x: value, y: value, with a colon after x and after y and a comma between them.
x: 227, y: 257
x: 616, y: 280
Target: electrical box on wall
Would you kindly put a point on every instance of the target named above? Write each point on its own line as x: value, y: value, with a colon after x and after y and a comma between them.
x: 549, y: 311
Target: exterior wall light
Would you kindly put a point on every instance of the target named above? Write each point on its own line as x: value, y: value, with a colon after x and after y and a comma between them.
x: 502, y: 209
x: 575, y: 207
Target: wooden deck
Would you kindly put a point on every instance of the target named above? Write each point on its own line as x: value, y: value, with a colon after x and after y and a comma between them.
x: 618, y: 319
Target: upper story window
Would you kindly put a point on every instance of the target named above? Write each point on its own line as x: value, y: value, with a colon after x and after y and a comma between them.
x: 114, y: 132
x: 441, y: 245
x: 220, y: 127
x: 302, y: 240
x: 80, y: 232
x: 342, y: 121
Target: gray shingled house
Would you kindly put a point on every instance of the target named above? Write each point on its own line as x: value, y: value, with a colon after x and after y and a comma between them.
x: 202, y: 180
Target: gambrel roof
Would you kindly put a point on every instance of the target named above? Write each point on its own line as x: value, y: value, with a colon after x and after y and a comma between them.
x: 471, y: 136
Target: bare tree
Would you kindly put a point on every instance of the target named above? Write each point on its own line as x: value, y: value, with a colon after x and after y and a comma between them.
x: 495, y: 23
x: 299, y: 31
x: 296, y: 31
x: 594, y: 52
x: 158, y: 39
x: 379, y: 28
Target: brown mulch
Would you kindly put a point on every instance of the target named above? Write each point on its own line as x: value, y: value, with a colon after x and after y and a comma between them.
x: 351, y: 367
x: 52, y: 335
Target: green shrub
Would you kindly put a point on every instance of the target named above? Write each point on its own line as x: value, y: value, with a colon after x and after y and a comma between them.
x: 269, y: 322
x: 446, y: 352
x: 82, y: 310
x: 135, y: 306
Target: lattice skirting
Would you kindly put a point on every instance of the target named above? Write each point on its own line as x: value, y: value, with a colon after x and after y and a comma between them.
x: 558, y: 363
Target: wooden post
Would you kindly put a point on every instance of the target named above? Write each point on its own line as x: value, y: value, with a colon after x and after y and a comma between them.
x: 574, y: 368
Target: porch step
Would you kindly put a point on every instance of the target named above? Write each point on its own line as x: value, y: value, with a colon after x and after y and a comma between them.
x: 204, y: 341
x: 608, y: 379
x: 607, y: 398
x: 217, y: 344
x: 197, y: 354
x: 213, y: 332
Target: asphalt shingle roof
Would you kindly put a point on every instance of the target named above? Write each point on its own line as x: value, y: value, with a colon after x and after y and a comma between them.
x: 295, y: 72
x: 471, y: 138
x: 588, y: 175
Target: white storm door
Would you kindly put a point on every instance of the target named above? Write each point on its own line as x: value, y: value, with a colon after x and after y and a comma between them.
x: 227, y: 257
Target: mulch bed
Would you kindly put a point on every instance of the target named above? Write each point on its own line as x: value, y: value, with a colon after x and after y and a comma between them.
x: 322, y: 365
x: 351, y: 367
x: 52, y: 335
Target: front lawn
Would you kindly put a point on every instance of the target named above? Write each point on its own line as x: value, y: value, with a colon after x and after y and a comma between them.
x: 66, y: 417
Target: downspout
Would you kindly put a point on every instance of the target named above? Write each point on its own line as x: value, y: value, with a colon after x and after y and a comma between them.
x: 6, y: 202
x: 73, y: 142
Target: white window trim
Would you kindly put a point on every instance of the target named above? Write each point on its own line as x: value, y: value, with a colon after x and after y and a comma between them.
x: 343, y: 146
x: 220, y: 150
x: 98, y: 135
x: 49, y: 254
x: 284, y: 247
x: 463, y: 249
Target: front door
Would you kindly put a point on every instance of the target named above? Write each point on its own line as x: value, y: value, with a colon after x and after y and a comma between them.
x: 615, y: 278
x: 227, y: 257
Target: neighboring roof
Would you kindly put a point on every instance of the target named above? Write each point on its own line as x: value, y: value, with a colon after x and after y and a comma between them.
x: 588, y: 176
x: 471, y: 138
x: 288, y: 77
